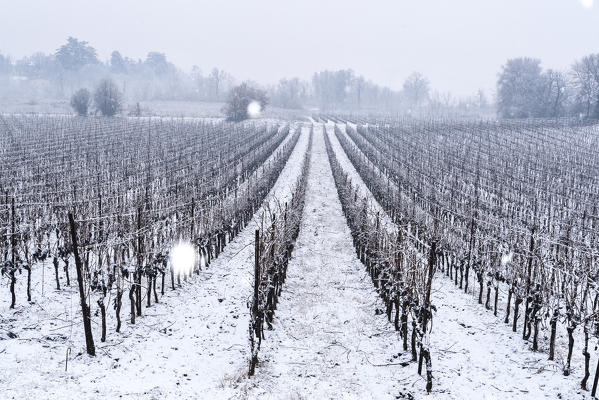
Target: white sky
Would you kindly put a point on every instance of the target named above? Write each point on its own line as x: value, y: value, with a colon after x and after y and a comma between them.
x: 458, y: 44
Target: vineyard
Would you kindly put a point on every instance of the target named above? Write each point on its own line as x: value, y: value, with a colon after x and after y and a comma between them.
x: 356, y: 257
x: 506, y: 211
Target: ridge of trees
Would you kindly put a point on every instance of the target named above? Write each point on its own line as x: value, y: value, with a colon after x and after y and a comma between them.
x: 524, y: 88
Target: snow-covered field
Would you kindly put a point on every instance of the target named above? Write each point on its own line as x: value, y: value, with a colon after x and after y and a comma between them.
x: 330, y: 339
x: 492, y: 359
x: 190, y: 345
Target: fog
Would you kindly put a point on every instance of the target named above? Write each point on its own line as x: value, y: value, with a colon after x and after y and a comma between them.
x: 459, y: 45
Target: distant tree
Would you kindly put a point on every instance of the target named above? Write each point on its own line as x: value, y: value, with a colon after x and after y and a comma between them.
x: 219, y: 82
x: 108, y: 98
x: 80, y: 101
x: 117, y: 63
x: 288, y: 93
x: 343, y: 89
x: 240, y: 98
x: 157, y: 63
x: 586, y: 83
x: 5, y: 65
x: 136, y: 112
x: 215, y: 79
x: 37, y: 66
x: 75, y: 54
x: 200, y: 83
x: 439, y: 102
x: 554, y: 94
x: 481, y: 99
x: 520, y: 89
x: 416, y: 89
x: 332, y: 88
x: 359, y: 85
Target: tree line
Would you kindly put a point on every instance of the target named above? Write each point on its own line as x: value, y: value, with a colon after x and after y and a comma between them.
x: 76, y: 64
x: 525, y: 90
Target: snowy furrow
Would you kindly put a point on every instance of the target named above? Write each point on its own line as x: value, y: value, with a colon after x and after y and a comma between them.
x: 348, y: 167
x: 328, y: 341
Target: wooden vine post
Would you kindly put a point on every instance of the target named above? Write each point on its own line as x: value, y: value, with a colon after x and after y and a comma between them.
x: 254, y: 325
x: 13, y: 250
x: 87, y: 327
x: 594, y: 390
x: 424, y: 350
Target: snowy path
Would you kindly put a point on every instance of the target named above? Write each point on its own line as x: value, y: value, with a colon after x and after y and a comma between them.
x: 354, y: 176
x: 326, y: 332
x: 191, y: 345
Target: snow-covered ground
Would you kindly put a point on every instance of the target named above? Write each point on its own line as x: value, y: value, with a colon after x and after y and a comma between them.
x: 327, y: 337
x: 191, y: 345
x: 328, y: 342
x: 474, y: 354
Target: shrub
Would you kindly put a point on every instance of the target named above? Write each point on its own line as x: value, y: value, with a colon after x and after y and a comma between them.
x: 239, y: 100
x: 80, y: 101
x: 108, y: 98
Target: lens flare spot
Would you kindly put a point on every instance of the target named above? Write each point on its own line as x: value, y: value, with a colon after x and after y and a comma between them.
x: 183, y: 258
x: 587, y: 3
x: 507, y: 258
x: 254, y: 109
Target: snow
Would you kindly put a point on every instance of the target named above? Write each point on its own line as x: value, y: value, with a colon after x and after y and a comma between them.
x: 192, y: 344
x: 348, y: 167
x: 329, y: 339
x: 326, y: 333
x: 474, y: 353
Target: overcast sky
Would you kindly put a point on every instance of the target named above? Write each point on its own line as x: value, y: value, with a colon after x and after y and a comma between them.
x: 458, y: 44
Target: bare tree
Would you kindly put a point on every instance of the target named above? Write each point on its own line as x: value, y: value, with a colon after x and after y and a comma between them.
x: 240, y: 99
x: 586, y: 82
x: 416, y: 89
x: 519, y: 88
x: 108, y: 98
x: 80, y: 101
x: 555, y: 93
x: 289, y: 93
x: 219, y: 82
